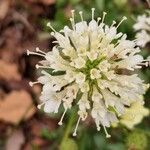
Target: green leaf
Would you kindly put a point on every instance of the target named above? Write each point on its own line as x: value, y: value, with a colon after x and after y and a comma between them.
x: 54, y: 73
x: 69, y: 144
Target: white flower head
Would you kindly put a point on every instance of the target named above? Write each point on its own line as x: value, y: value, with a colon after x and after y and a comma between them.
x: 83, y: 69
x: 142, y: 27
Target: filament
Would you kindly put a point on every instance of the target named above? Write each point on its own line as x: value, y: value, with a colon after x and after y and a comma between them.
x: 104, y: 14
x: 98, y: 19
x: 49, y: 25
x: 113, y: 23
x: 40, y: 105
x: 107, y: 135
x: 75, y: 130
x: 34, y: 53
x: 124, y: 18
x: 62, y: 117
x: 32, y: 83
x: 38, y: 50
x: 38, y: 66
x: 80, y: 13
x: 93, y: 10
x: 72, y: 23
x: 98, y: 126
x: 144, y: 64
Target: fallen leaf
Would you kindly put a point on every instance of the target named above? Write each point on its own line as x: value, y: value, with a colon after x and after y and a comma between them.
x: 15, y: 141
x: 4, y: 7
x: 9, y: 71
x: 29, y: 113
x: 16, y: 106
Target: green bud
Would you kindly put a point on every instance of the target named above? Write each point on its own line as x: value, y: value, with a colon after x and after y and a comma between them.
x: 137, y: 140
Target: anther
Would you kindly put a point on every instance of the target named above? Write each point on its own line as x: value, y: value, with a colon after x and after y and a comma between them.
x: 38, y: 50
x: 98, y: 19
x: 62, y: 117
x: 75, y: 130
x: 40, y: 105
x: 146, y: 64
x: 52, y: 33
x: 113, y: 23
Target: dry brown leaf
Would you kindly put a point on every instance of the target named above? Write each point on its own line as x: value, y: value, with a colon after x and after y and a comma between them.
x: 16, y: 106
x: 29, y: 113
x: 9, y: 71
x: 4, y: 7
x: 15, y: 141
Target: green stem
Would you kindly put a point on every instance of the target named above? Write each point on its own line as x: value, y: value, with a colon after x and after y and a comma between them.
x: 68, y: 128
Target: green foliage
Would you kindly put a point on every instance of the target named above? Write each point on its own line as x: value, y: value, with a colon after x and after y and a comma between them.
x: 89, y: 138
x: 137, y: 140
x: 69, y: 144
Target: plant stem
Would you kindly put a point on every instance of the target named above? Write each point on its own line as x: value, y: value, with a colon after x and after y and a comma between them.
x: 68, y: 128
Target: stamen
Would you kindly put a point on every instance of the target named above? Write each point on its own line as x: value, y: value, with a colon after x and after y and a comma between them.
x: 124, y: 18
x: 98, y: 126
x: 75, y: 130
x: 55, y: 42
x: 98, y: 19
x: 32, y: 83
x: 40, y: 105
x: 62, y: 117
x: 104, y: 14
x: 80, y: 13
x: 49, y: 25
x: 93, y: 10
x: 72, y: 23
x: 52, y: 33
x: 38, y: 50
x: 34, y: 53
x: 144, y: 64
x: 113, y: 23
x: 38, y: 66
x: 107, y: 135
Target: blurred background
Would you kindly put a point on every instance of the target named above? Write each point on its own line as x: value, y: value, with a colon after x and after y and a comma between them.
x: 22, y: 27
